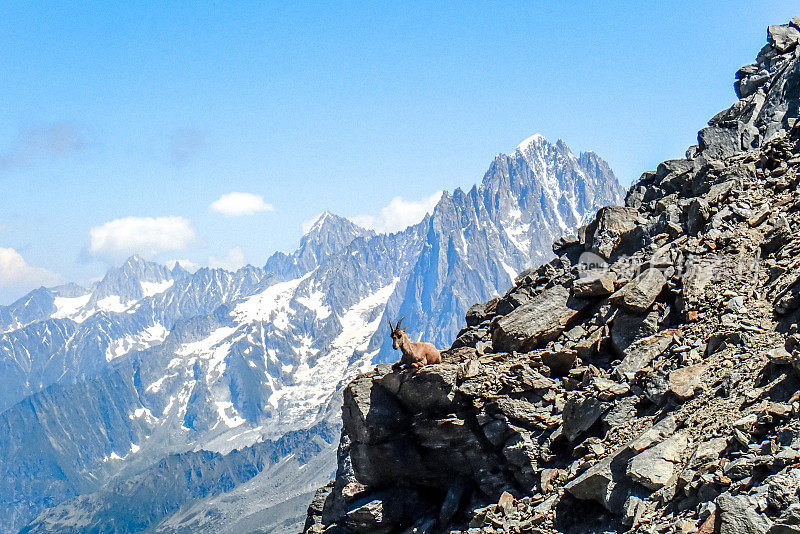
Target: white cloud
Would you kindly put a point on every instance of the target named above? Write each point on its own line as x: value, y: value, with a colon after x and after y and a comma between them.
x: 236, y: 204
x: 231, y: 261
x: 147, y: 236
x: 17, y: 277
x: 399, y: 214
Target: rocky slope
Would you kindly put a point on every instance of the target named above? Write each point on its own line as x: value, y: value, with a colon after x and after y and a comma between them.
x: 99, y: 386
x: 646, y: 380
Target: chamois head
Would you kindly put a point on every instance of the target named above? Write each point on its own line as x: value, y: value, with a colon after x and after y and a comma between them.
x: 397, y: 333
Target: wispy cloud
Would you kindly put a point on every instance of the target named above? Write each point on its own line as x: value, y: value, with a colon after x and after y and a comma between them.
x: 18, y: 277
x: 185, y: 145
x: 399, y: 214
x: 236, y: 204
x: 147, y: 236
x: 231, y: 261
x: 42, y: 143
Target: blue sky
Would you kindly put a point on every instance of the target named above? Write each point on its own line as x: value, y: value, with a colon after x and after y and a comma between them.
x: 119, y: 122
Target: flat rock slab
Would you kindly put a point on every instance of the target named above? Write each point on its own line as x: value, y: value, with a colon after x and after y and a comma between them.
x: 640, y: 353
x: 655, y: 467
x: 542, y: 319
x: 685, y: 381
x: 594, y: 284
x: 639, y: 294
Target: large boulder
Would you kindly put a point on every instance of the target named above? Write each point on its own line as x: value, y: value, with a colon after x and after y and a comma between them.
x: 580, y: 414
x: 738, y: 515
x: 542, y: 319
x: 639, y: 294
x: 594, y: 284
x: 612, y: 231
x: 639, y: 354
x: 783, y: 37
x: 657, y: 466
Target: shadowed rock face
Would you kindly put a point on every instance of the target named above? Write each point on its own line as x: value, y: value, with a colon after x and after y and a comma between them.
x: 665, y: 398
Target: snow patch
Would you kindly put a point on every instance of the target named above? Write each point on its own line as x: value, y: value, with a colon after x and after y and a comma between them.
x: 149, y: 337
x: 314, y: 303
x: 230, y: 422
x: 68, y: 307
x: 272, y: 304
x: 534, y: 139
x: 313, y: 385
x: 154, y: 288
x: 114, y: 304
x: 509, y: 270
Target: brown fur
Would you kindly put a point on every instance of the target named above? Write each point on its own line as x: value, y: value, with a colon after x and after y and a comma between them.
x: 414, y: 354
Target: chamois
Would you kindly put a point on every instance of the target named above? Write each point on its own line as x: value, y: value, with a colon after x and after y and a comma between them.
x: 415, y: 354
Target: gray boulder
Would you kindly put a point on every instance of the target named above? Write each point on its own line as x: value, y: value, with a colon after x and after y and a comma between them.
x: 738, y: 515
x: 657, y: 466
x: 639, y: 294
x: 783, y: 37
x: 612, y: 230
x: 542, y: 319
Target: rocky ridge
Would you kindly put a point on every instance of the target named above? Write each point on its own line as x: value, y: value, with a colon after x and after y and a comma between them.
x: 646, y: 380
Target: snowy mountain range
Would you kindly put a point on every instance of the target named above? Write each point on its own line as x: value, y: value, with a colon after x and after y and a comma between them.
x: 121, y: 388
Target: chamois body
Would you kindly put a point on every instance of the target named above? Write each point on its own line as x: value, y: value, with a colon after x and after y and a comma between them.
x: 414, y: 354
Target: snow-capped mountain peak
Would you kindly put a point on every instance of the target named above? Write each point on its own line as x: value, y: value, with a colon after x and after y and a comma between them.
x: 216, y: 360
x: 531, y: 142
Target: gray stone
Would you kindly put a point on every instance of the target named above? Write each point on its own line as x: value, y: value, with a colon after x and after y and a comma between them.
x: 697, y: 215
x: 580, y: 413
x: 621, y: 413
x: 717, y: 142
x: 738, y: 515
x: 788, y: 522
x: 521, y: 411
x: 657, y: 466
x: 783, y: 38
x: 632, y: 510
x: 612, y: 230
x: 594, y: 284
x: 476, y: 314
x: 605, y: 482
x: 639, y: 294
x: 749, y: 85
x: 654, y: 434
x: 708, y: 451
x: 521, y: 452
x: 542, y: 319
x: 639, y: 354
x: 737, y: 305
x: 630, y: 327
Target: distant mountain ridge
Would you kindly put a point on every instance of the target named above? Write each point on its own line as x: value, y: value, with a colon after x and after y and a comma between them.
x: 165, y: 361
